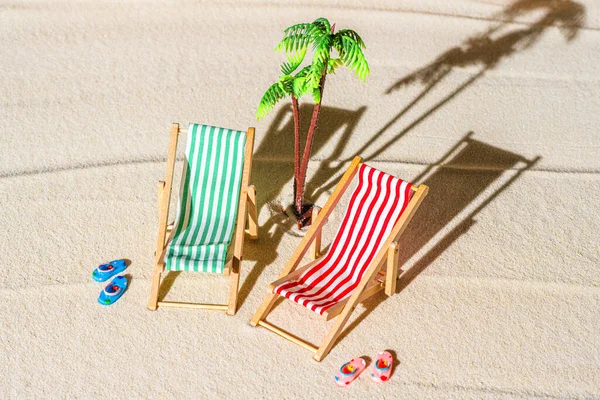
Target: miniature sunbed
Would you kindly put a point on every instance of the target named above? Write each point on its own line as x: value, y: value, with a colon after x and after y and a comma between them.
x: 362, y: 258
x: 215, y: 199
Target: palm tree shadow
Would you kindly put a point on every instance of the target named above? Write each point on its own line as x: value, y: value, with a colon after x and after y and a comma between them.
x: 462, y: 183
x: 489, y: 48
x: 457, y: 183
x: 484, y: 51
x: 273, y: 169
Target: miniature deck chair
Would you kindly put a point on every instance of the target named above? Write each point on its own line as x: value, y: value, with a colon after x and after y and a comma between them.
x: 362, y: 259
x: 214, y: 201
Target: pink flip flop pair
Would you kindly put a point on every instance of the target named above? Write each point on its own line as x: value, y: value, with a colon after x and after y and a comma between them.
x: 380, y: 372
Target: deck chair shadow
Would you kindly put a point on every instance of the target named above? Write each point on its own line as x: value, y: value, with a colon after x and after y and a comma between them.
x: 361, y: 261
x: 215, y: 202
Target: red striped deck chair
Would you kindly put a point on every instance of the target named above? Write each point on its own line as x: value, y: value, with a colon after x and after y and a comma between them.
x: 215, y: 200
x: 362, y: 258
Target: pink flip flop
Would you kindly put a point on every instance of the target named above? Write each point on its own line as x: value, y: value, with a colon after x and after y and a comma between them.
x: 350, y: 371
x: 382, y: 367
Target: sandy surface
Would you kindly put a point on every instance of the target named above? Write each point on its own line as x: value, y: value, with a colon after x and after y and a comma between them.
x: 494, y: 106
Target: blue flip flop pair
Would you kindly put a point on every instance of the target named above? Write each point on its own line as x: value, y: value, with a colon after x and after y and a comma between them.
x: 115, y: 289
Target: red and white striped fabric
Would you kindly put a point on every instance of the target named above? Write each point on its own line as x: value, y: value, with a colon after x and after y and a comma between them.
x: 375, y: 206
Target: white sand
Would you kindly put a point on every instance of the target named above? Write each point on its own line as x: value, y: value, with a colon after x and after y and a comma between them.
x: 507, y: 303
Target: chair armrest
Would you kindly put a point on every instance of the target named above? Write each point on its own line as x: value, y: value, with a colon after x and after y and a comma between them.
x: 315, y: 247
x: 292, y: 276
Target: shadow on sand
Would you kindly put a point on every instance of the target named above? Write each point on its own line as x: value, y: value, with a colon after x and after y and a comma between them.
x: 469, y: 176
x: 462, y: 183
x: 272, y: 171
x: 483, y: 51
x: 471, y: 169
x: 468, y: 170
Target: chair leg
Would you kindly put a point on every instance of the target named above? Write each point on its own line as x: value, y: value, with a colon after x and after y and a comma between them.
x: 335, y: 330
x: 234, y: 283
x: 264, y: 309
x: 227, y: 269
x: 153, y: 302
x: 252, y: 213
x: 159, y: 266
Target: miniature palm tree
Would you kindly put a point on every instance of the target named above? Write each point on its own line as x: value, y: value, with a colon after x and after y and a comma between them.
x: 310, y: 80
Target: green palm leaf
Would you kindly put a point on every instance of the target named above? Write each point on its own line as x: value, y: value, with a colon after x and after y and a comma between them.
x: 316, y: 94
x: 292, y: 43
x: 298, y: 28
x: 323, y: 25
x: 352, y: 34
x: 294, y: 60
x: 307, y: 81
x: 322, y: 50
x: 300, y: 87
x: 274, y: 93
x: 333, y: 64
x: 349, y: 46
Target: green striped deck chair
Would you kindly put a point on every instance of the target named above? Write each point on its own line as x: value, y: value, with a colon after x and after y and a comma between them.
x: 214, y: 200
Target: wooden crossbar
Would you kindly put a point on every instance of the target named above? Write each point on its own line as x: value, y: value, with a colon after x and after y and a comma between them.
x: 288, y: 336
x: 177, y: 304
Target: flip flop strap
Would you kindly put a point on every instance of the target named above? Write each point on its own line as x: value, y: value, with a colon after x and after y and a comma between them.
x: 344, y: 373
x: 380, y: 368
x: 107, y: 268
x: 116, y: 292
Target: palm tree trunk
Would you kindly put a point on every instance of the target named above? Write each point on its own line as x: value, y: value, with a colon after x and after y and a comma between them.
x: 296, y: 113
x: 299, y: 191
x: 299, y: 188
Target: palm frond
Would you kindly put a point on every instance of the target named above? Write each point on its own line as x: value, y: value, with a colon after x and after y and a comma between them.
x: 352, y: 34
x: 322, y: 50
x: 298, y: 29
x: 293, y: 42
x: 333, y: 64
x: 323, y: 25
x: 316, y: 93
x: 307, y: 81
x: 287, y: 68
x: 294, y: 60
x: 350, y: 51
x: 274, y: 93
x: 301, y: 85
x: 303, y: 72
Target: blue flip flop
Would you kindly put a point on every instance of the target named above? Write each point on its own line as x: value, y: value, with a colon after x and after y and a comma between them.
x: 106, y: 271
x: 113, y: 291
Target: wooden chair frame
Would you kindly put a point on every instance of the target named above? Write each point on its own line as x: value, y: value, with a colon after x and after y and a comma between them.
x: 246, y: 209
x: 375, y: 278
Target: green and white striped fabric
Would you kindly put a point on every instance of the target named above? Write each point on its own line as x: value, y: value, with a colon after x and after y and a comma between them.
x: 208, y: 199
